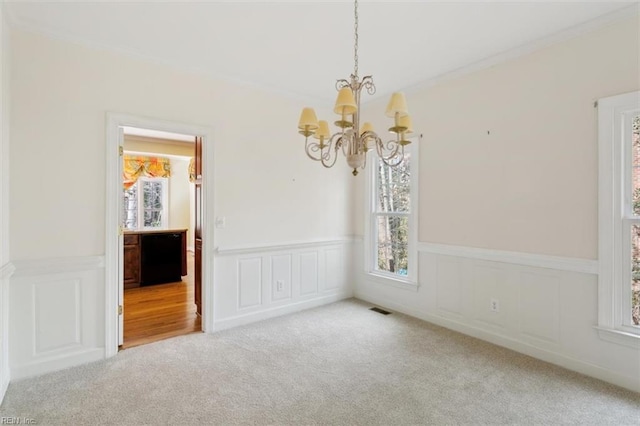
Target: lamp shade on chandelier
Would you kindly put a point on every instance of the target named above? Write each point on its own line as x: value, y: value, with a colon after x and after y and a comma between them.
x: 354, y: 140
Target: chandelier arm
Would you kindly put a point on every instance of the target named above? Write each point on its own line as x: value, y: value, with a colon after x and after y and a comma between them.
x: 391, y: 152
x: 367, y: 83
x: 311, y: 147
x: 326, y: 159
x: 364, y: 164
x: 342, y: 83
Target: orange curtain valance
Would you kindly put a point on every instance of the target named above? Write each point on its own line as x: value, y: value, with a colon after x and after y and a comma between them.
x: 136, y: 166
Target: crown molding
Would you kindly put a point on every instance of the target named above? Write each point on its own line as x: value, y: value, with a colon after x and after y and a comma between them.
x: 567, y: 34
x: 525, y: 49
x: 30, y: 27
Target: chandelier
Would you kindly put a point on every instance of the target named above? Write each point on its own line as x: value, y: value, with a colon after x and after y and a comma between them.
x: 355, y: 143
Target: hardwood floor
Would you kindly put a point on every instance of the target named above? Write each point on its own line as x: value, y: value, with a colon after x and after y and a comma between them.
x: 160, y: 311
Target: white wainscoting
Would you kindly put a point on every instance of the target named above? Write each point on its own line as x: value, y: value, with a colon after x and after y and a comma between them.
x: 255, y: 283
x: 57, y: 316
x: 547, y: 306
x: 5, y: 376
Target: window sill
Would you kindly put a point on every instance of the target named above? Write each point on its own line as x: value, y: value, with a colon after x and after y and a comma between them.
x: 620, y: 337
x: 393, y: 281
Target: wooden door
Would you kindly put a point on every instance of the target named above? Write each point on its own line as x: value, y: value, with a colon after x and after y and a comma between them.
x: 197, y: 274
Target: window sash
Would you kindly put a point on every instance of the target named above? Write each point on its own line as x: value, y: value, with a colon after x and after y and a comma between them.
x: 629, y: 218
x: 624, y: 313
x: 616, y: 217
x: 394, y: 245
x: 373, y: 212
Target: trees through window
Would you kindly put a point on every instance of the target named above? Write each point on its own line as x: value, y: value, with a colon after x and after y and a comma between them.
x: 392, y: 210
x: 145, y: 204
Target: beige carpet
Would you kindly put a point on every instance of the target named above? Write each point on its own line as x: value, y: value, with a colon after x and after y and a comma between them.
x: 334, y: 365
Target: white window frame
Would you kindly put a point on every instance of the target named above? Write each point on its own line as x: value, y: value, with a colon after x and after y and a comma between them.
x: 165, y: 202
x: 410, y: 281
x: 615, y: 218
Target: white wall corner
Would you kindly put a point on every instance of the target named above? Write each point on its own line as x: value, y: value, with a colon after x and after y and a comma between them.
x: 590, y: 369
x: 537, y: 316
x: 5, y: 99
x: 6, y: 268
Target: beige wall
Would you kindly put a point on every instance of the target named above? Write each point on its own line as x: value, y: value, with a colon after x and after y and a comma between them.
x: 4, y: 138
x: 266, y: 188
x: 509, y: 155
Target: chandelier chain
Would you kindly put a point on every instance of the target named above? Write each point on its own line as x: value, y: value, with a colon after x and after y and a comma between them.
x: 355, y: 49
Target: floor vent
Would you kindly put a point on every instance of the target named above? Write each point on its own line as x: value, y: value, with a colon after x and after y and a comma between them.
x: 380, y: 311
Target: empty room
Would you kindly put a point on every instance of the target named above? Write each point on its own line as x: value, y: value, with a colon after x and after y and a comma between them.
x: 308, y: 212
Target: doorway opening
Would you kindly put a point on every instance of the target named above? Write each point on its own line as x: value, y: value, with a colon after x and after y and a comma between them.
x: 160, y: 299
x: 155, y: 244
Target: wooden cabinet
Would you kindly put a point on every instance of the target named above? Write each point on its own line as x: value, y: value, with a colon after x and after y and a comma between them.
x: 131, y: 260
x: 148, y: 262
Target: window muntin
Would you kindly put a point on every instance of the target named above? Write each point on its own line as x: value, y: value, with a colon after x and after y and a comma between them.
x: 145, y: 204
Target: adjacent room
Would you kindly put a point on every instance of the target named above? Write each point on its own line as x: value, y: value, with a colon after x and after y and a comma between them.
x: 349, y: 212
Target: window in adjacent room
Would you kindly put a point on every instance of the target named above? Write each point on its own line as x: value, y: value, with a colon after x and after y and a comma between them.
x: 392, y: 213
x: 146, y: 204
x: 619, y: 216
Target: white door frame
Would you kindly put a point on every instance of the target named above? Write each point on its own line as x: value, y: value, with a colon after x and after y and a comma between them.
x: 113, y: 207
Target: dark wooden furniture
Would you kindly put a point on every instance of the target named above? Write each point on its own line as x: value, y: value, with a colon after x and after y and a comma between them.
x: 131, y: 260
x: 139, y: 255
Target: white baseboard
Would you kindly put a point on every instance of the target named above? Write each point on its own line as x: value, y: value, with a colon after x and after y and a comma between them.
x: 515, y: 345
x: 51, y: 364
x: 278, y: 311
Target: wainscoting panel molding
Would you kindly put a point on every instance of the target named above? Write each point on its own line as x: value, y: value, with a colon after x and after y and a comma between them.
x: 281, y: 273
x: 488, y: 288
x: 333, y: 268
x: 249, y: 282
x: 542, y: 306
x: 308, y: 277
x: 448, y: 288
x: 267, y: 281
x: 56, y: 299
x: 60, y: 320
x: 538, y: 290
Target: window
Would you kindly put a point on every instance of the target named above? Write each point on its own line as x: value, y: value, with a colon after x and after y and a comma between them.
x: 145, y: 204
x: 619, y: 215
x: 392, y: 203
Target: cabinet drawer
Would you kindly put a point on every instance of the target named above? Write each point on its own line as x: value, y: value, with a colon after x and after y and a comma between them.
x: 131, y: 240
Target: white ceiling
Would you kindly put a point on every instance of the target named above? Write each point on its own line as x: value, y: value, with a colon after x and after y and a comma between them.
x: 302, y: 47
